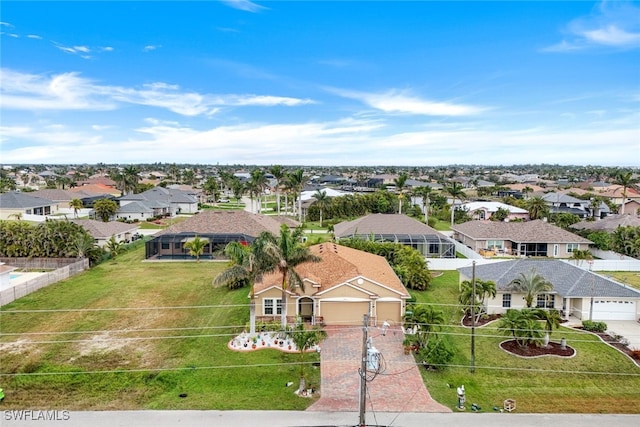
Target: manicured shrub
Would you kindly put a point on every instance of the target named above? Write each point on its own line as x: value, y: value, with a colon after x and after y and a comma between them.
x: 591, y: 326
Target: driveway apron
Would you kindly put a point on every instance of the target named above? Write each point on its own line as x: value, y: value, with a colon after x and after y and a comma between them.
x: 399, y: 388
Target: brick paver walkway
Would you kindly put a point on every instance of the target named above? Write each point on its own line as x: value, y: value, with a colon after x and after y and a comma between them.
x: 398, y: 389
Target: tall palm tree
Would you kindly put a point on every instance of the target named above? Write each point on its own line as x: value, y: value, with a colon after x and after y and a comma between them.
x: 296, y: 183
x: 283, y: 254
x: 131, y: 178
x: 537, y: 208
x: 322, y: 200
x: 196, y: 246
x: 456, y: 192
x: 278, y: 174
x: 245, y: 268
x: 483, y: 290
x: 424, y: 193
x: 76, y: 204
x: 626, y: 180
x: 257, y: 183
x: 531, y: 284
x: 400, y: 183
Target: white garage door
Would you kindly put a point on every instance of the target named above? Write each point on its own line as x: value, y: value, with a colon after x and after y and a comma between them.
x: 609, y: 309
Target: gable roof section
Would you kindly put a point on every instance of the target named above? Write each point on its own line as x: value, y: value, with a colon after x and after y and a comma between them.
x: 568, y: 280
x: 609, y: 223
x: 225, y: 222
x: 493, y: 207
x: 17, y: 200
x: 141, y: 206
x: 166, y: 195
x: 104, y: 230
x: 54, y: 194
x: 339, y: 265
x: 536, y: 231
x: 383, y: 224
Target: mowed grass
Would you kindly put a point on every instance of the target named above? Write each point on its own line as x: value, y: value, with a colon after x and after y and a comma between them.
x: 143, y: 334
x: 599, y: 379
x: 631, y: 278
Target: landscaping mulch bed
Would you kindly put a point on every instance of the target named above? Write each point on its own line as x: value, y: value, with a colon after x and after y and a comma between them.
x: 468, y: 321
x: 531, y: 350
x: 613, y: 342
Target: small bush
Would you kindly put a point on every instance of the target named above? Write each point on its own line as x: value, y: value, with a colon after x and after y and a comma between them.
x: 591, y: 326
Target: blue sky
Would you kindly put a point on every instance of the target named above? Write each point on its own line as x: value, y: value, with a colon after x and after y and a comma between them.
x: 419, y: 83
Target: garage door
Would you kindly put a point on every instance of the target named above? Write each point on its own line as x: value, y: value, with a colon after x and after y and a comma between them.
x: 608, y: 309
x: 388, y: 311
x: 343, y: 313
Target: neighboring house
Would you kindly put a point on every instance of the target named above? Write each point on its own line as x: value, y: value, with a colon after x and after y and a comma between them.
x: 61, y: 197
x: 218, y: 227
x: 164, y: 201
x: 16, y: 204
x: 96, y: 189
x: 610, y: 223
x: 532, y: 238
x: 339, y: 290
x: 563, y: 203
x: 632, y: 207
x: 140, y: 211
x: 483, y: 210
x: 102, y: 231
x: 399, y: 229
x: 576, y: 291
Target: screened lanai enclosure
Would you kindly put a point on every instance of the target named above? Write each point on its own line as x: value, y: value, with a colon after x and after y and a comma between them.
x: 171, y: 246
x: 429, y: 245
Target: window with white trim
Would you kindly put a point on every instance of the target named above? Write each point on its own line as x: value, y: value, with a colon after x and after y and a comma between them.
x: 545, y: 301
x: 268, y: 305
x: 572, y: 247
x: 506, y: 300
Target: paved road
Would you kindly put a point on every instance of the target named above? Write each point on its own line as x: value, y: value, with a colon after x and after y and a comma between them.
x: 313, y: 419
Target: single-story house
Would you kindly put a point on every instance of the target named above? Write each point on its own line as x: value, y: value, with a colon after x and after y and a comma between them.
x: 141, y: 210
x: 532, y: 238
x: 576, y: 291
x: 482, y: 210
x: 102, y: 231
x: 339, y: 290
x: 15, y: 204
x: 398, y: 228
x: 563, y: 203
x: 165, y: 201
x: 218, y: 227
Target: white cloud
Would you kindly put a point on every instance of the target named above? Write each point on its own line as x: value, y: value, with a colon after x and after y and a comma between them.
x: 151, y: 47
x: 611, y: 25
x: 69, y: 91
x: 34, y: 36
x: 246, y: 5
x: 399, y: 102
x: 6, y: 24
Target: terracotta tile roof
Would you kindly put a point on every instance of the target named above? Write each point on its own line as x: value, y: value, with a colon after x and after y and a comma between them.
x: 225, y: 222
x: 340, y: 264
x: 536, y: 231
x: 383, y: 224
x: 95, y: 190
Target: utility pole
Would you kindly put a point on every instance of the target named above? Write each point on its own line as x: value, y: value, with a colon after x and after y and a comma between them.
x: 473, y: 319
x: 363, y: 372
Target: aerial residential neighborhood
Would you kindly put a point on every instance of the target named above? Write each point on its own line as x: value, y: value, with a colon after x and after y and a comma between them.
x: 346, y: 213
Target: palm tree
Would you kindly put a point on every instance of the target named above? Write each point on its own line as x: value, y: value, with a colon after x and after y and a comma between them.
x: 114, y: 246
x: 105, y: 209
x: 523, y: 325
x: 424, y: 320
x: 626, y: 180
x: 256, y: 185
x: 304, y: 339
x: 526, y: 191
x: 424, y: 192
x: 196, y: 246
x: 456, y: 192
x: 83, y: 243
x: 278, y: 174
x: 130, y: 179
x: 296, y: 183
x: 483, y: 290
x: 76, y: 204
x: 537, y: 208
x: 245, y: 268
x: 532, y: 284
x: 322, y: 200
x: 283, y: 254
x: 400, y: 183
x: 211, y: 188
x: 551, y: 320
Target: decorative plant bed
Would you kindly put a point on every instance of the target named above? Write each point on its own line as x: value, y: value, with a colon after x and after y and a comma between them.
x: 531, y: 350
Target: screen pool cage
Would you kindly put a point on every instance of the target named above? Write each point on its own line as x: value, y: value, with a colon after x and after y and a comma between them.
x: 171, y: 246
x: 429, y: 245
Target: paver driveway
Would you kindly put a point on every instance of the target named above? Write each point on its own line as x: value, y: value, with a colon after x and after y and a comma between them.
x: 398, y: 389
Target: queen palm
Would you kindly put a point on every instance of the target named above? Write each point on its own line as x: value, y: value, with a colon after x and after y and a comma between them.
x: 456, y: 192
x: 400, y: 183
x: 76, y: 204
x: 245, y: 268
x: 531, y: 284
x: 322, y: 201
x: 282, y: 254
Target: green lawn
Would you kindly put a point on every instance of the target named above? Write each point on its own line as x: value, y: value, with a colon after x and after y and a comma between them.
x: 175, y: 347
x: 179, y: 326
x: 599, y: 379
x: 631, y: 278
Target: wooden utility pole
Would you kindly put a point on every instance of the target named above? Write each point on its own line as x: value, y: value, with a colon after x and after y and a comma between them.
x: 473, y: 318
x: 363, y: 372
